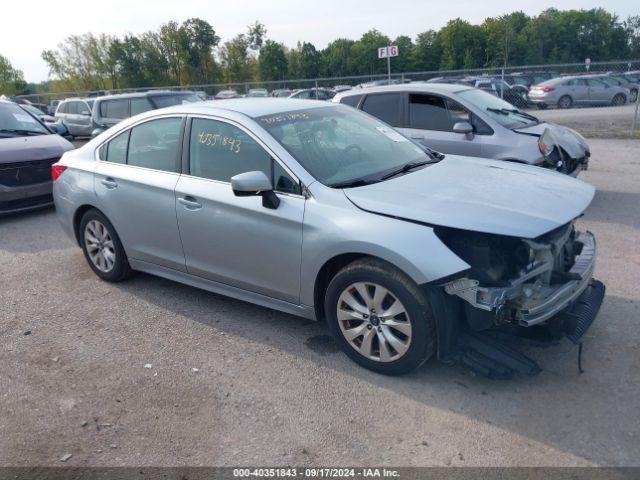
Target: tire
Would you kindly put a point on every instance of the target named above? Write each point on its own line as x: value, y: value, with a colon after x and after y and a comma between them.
x: 565, y: 101
x: 634, y: 96
x: 542, y: 106
x: 618, y: 100
x: 391, y: 349
x: 108, y: 260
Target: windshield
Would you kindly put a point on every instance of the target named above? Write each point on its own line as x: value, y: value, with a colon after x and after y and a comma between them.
x: 340, y: 145
x: 15, y: 122
x: 502, y: 112
x: 162, y: 101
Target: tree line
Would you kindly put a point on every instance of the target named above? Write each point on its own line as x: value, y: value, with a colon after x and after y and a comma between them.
x: 192, y: 53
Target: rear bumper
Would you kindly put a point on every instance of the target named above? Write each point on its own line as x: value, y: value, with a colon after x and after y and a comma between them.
x: 24, y: 198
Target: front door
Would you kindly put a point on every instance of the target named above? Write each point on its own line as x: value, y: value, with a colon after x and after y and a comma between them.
x: 431, y: 121
x: 135, y: 186
x: 236, y: 240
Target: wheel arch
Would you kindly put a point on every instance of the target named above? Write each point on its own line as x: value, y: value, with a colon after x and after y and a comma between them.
x: 77, y: 217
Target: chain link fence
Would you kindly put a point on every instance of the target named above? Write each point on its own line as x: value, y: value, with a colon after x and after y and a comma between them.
x: 568, y: 86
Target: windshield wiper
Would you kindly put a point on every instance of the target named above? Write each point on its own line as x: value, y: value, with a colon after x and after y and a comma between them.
x: 507, y: 111
x: 359, y: 182
x: 407, y: 167
x: 21, y: 132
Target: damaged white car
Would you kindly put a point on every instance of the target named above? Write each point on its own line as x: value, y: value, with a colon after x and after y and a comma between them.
x: 324, y: 212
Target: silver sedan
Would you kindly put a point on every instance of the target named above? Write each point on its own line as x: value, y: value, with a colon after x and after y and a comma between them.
x: 566, y: 92
x: 324, y: 212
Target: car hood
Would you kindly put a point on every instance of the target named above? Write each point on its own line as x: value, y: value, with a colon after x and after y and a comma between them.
x: 41, y: 147
x: 569, y: 140
x: 480, y: 195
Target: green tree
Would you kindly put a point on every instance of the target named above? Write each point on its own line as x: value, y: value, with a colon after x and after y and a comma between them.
x: 272, y: 61
x: 427, y: 52
x: 11, y: 80
x: 200, y: 40
x: 335, y: 60
x: 365, y: 53
x: 463, y: 45
x: 404, y: 61
x: 309, y: 60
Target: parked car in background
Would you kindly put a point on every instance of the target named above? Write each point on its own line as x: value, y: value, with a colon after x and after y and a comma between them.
x: 281, y: 92
x: 313, y: 94
x: 28, y: 148
x: 53, y: 105
x: 111, y: 110
x: 341, y: 88
x: 321, y: 211
x: 225, y: 95
x: 461, y: 120
x: 75, y: 115
x: 48, y: 120
x: 257, y: 92
x: 514, y: 94
x: 566, y: 92
x: 622, y: 81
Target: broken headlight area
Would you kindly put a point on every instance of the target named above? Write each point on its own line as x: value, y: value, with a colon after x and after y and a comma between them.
x: 516, y: 291
x: 519, y: 281
x: 558, y: 159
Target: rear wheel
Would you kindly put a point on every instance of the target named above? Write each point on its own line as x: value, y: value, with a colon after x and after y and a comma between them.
x: 618, y: 99
x: 102, y: 247
x: 542, y: 106
x: 634, y: 96
x: 565, y: 102
x: 380, y: 317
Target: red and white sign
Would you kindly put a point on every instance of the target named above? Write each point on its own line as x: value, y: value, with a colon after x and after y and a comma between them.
x: 391, y: 51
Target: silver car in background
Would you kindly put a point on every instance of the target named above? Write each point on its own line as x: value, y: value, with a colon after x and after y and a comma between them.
x: 566, y: 92
x: 324, y: 212
x: 458, y: 119
x: 75, y: 115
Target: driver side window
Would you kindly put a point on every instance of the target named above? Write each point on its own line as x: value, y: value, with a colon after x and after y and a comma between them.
x: 219, y: 151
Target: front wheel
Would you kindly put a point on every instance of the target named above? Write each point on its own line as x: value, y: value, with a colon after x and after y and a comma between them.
x: 380, y: 318
x: 618, y: 100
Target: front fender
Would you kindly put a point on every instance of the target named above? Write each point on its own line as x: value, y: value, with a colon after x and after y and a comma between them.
x: 412, y: 247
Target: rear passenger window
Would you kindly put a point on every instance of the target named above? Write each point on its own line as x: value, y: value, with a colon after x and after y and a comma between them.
x: 352, y: 100
x: 385, y: 106
x: 154, y: 144
x: 116, y: 149
x: 139, y: 105
x: 219, y: 151
x: 72, y: 107
x: 117, y: 109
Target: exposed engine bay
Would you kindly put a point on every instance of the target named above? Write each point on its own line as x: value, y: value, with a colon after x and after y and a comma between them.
x: 514, y: 284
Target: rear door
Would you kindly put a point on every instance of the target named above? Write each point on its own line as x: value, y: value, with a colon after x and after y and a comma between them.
x: 577, y: 89
x: 599, y: 92
x: 135, y: 182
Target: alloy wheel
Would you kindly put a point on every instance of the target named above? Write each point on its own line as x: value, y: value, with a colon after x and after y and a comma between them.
x: 374, y: 321
x: 99, y: 246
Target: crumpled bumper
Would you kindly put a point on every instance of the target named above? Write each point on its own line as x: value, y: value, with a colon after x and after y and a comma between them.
x: 527, y: 300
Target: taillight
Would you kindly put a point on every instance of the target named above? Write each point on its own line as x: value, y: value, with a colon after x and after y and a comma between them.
x: 547, y: 89
x: 56, y: 170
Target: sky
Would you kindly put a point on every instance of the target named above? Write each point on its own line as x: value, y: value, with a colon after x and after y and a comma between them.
x: 47, y: 23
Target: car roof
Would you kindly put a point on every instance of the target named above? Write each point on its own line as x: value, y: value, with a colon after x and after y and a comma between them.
x: 251, y: 107
x: 148, y: 93
x: 406, y: 87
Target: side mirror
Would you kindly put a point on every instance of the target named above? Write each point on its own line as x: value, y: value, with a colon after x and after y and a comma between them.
x: 255, y: 183
x: 59, y: 128
x: 465, y: 128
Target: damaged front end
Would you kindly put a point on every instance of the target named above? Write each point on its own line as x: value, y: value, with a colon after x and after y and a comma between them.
x: 564, y: 150
x: 518, y: 286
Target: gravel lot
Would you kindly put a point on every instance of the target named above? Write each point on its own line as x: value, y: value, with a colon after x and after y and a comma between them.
x: 594, y: 122
x: 272, y: 389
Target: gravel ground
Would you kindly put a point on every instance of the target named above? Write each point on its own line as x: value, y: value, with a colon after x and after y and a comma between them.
x: 271, y: 389
x: 595, y: 122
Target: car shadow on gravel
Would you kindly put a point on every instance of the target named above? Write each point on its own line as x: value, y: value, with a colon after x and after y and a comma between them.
x: 558, y: 407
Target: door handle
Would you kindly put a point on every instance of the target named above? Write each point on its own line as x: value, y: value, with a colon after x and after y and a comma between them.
x: 109, y: 182
x: 190, y: 203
